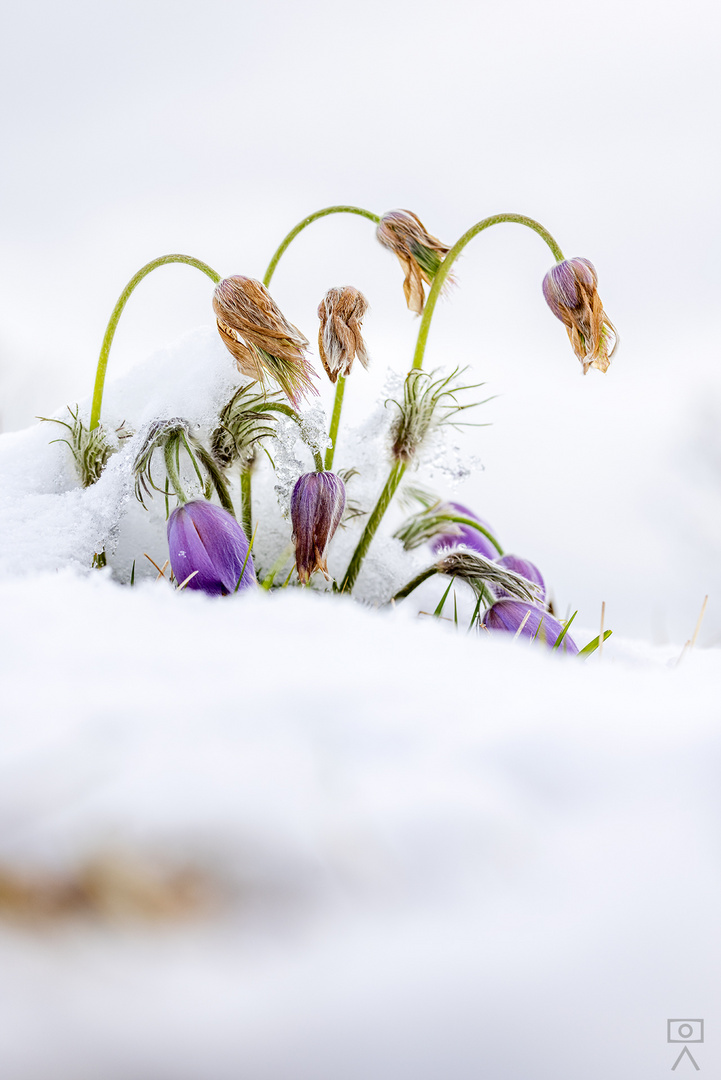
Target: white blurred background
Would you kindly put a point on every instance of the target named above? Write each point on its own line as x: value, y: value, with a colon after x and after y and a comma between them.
x: 140, y: 129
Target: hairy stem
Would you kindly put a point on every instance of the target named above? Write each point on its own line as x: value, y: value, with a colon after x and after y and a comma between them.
x: 309, y: 221
x: 217, y: 479
x: 445, y: 267
x: 118, y: 311
x: 391, y: 485
x: 415, y: 582
x: 246, y: 511
x: 169, y: 452
x: 335, y: 421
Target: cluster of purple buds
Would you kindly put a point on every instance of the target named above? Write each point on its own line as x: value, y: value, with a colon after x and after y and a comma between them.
x: 206, y: 541
x: 512, y: 616
x: 316, y: 508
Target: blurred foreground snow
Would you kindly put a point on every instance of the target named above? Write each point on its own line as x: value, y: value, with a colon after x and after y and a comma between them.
x: 424, y: 855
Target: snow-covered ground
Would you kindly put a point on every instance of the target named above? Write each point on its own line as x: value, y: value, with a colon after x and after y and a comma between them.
x: 420, y: 854
x: 287, y: 836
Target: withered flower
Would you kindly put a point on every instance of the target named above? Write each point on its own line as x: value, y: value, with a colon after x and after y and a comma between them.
x: 316, y: 508
x: 340, y: 340
x: 570, y: 289
x: 419, y: 253
x: 260, y: 338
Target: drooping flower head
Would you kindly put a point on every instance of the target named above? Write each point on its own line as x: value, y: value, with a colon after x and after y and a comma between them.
x: 419, y: 253
x: 570, y: 289
x: 316, y: 508
x: 205, y: 538
x: 340, y: 340
x: 526, y: 569
x: 482, y: 573
x: 454, y: 533
x: 508, y: 617
x: 260, y: 338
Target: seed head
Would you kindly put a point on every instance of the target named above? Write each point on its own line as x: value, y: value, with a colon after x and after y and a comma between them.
x: 341, y: 313
x: 260, y: 338
x: 570, y: 289
x: 419, y: 253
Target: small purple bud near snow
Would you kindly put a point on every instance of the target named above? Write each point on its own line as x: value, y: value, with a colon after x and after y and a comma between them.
x: 526, y: 569
x: 463, y: 534
x: 316, y: 508
x: 508, y: 616
x: 207, y: 539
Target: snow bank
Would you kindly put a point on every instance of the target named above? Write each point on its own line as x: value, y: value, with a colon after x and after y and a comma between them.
x: 433, y: 855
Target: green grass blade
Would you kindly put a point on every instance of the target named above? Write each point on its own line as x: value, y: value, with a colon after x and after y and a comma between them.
x: 593, y: 645
x: 563, y: 633
x: 245, y: 563
x: 439, y: 610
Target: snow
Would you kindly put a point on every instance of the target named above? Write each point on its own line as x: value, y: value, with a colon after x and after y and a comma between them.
x: 419, y: 853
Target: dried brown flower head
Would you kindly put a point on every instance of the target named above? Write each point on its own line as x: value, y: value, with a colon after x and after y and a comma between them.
x: 260, y: 338
x: 571, y: 292
x: 419, y: 253
x: 340, y: 340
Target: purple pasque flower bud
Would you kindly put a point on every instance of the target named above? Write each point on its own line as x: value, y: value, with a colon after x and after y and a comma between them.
x: 208, y: 539
x: 571, y: 292
x: 526, y: 569
x: 508, y: 616
x: 316, y: 507
x: 463, y: 534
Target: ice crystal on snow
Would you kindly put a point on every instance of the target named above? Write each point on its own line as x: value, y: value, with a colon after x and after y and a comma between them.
x: 287, y: 466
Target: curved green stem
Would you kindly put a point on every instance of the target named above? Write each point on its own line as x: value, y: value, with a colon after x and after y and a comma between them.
x: 445, y: 268
x: 415, y: 582
x: 169, y: 452
x: 217, y: 479
x: 308, y: 221
x: 279, y: 406
x: 335, y: 421
x: 474, y: 525
x: 118, y: 311
x: 394, y: 479
x: 246, y: 512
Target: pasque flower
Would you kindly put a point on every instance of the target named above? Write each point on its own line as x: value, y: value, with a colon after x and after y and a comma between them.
x: 260, y: 338
x: 571, y: 292
x: 455, y: 533
x: 508, y: 617
x: 340, y: 340
x: 316, y: 508
x: 419, y: 253
x: 205, y: 538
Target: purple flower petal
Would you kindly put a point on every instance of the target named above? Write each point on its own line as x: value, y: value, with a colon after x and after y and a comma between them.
x: 316, y: 507
x: 508, y: 616
x: 208, y: 539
